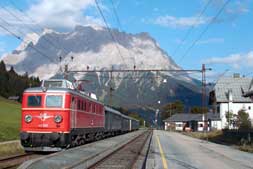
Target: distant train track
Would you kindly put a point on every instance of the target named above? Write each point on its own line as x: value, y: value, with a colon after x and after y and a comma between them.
x: 127, y: 155
x: 15, y: 160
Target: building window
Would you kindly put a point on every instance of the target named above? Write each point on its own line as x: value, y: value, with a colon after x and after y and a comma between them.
x: 179, y: 125
x: 218, y: 109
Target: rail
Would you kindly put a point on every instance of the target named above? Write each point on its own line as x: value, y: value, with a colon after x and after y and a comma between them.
x: 15, y: 160
x: 125, y: 156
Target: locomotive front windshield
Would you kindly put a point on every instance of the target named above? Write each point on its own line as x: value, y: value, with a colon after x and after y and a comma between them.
x: 34, y: 101
x: 53, y: 101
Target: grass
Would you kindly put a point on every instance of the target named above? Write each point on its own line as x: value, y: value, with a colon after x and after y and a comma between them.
x: 247, y: 148
x: 10, y: 148
x: 218, y: 137
x: 10, y: 114
x: 208, y: 135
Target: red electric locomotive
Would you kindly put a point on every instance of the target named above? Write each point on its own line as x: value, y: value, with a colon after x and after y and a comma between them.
x: 56, y: 116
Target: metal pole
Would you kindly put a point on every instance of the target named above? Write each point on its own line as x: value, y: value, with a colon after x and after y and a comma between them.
x: 110, y: 90
x: 203, y: 97
x: 66, y: 72
x: 205, y: 122
x: 228, y: 117
x: 170, y: 116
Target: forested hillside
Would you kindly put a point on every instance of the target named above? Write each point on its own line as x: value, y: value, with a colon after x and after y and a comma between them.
x: 12, y: 84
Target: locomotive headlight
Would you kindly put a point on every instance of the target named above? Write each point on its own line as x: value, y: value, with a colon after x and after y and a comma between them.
x: 58, y: 118
x: 28, y: 118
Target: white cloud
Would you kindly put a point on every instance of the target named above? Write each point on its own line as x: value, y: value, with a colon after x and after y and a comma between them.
x: 235, y: 60
x: 236, y: 7
x: 231, y: 11
x: 54, y: 14
x: 211, y: 40
x: 9, y: 21
x: 202, y: 42
x: 179, y: 22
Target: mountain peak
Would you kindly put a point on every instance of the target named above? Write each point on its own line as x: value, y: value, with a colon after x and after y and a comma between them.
x: 89, y: 45
x: 47, y: 31
x: 80, y: 28
x: 94, y: 47
x: 31, y: 38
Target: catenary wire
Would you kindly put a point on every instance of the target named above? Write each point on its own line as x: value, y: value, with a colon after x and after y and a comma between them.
x: 109, y: 31
x: 48, y: 39
x: 205, y: 30
x: 21, y: 39
x: 191, y: 29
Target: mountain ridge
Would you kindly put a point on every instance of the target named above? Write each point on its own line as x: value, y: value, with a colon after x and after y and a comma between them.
x: 93, y: 47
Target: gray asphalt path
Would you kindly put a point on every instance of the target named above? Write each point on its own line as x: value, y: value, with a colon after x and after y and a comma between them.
x: 171, y: 150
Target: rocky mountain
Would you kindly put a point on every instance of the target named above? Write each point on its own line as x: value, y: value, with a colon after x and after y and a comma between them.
x: 93, y: 47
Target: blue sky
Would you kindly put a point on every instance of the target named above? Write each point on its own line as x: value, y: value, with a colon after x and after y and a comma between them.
x: 226, y: 45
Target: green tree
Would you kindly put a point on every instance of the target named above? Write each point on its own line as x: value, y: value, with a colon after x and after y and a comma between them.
x: 231, y: 119
x: 137, y: 117
x: 12, y: 84
x: 2, y: 66
x: 198, y: 110
x: 122, y: 110
x: 172, y: 108
x: 243, y: 120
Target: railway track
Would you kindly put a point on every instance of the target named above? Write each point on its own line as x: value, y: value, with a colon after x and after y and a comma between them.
x: 126, y: 157
x: 15, y: 160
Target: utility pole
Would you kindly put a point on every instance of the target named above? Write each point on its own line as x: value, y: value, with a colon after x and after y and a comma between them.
x: 204, y: 118
x: 203, y: 95
x: 60, y: 59
x: 110, y: 89
x: 66, y: 72
x: 170, y: 116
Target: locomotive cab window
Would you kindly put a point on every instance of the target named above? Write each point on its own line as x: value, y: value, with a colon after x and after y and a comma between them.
x: 53, y: 101
x: 34, y: 101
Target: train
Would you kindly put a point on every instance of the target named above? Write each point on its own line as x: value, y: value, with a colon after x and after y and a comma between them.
x: 57, y: 116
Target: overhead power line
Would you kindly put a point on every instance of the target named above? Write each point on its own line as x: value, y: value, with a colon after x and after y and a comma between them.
x: 120, y: 25
x: 205, y: 30
x: 21, y: 39
x: 139, y: 70
x: 116, y: 15
x: 109, y: 31
x: 48, y: 39
x: 10, y: 32
x: 191, y: 28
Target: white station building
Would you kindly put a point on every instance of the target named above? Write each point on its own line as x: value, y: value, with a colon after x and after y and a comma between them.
x: 227, y: 96
x: 193, y: 122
